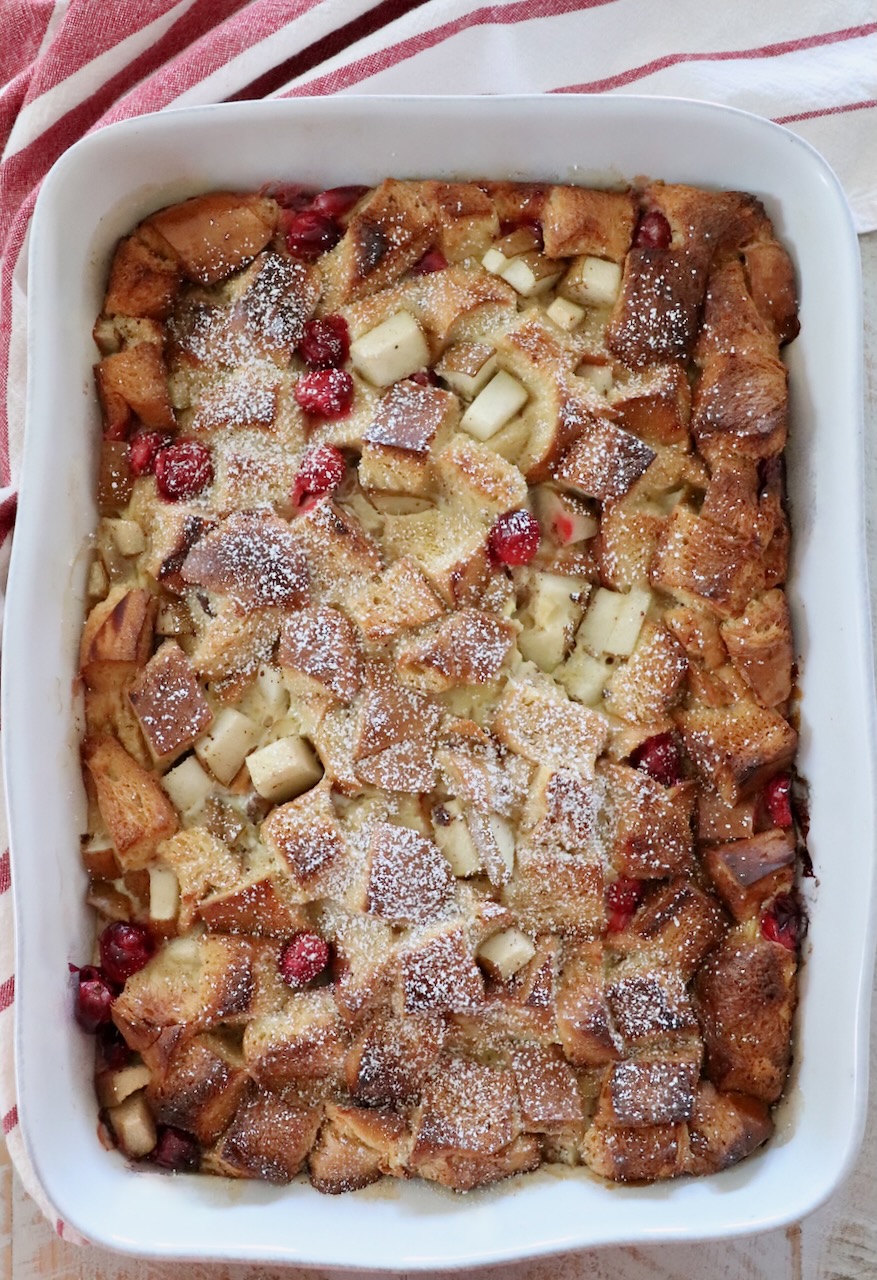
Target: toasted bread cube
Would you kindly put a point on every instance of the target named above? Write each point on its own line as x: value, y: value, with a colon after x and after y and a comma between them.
x: 414, y: 418
x: 681, y: 924
x: 341, y: 555
x: 215, y: 234
x: 547, y: 728
x: 268, y: 1139
x: 503, y: 954
x: 494, y: 406
x: 475, y: 477
x: 144, y: 277
x: 169, y: 703
x: 408, y: 880
x: 561, y: 810
x: 401, y: 598
x: 188, y: 786
x: 202, y: 864
x: 284, y: 769
x: 583, y: 1020
x: 745, y: 997
x: 652, y: 1089
x: 645, y: 687
x: 133, y: 382
x: 439, y: 972
x: 655, y: 404
x: 592, y: 282
x: 230, y: 644
x: 704, y: 564
x: 467, y: 647
x: 604, y: 461
x: 648, y: 825
x: 760, y: 645
x: 466, y: 1109
x: 320, y: 643
x: 723, y: 1129
x: 746, y: 873
x: 467, y: 367
x: 133, y: 1126
x: 648, y: 1004
x: 737, y: 747
x: 136, y: 812
x: 392, y: 351
x: 655, y: 317
x: 453, y: 553
x: 579, y: 220
x: 305, y: 1042
x: 552, y: 891
x: 306, y: 834
x: 613, y: 621
x: 201, y: 1089
x: 164, y: 894
x: 395, y: 739
x: 114, y: 1087
x: 117, y: 638
x: 635, y: 1154
x: 225, y: 747
x: 252, y: 557
x: 391, y: 1057
x: 338, y: 1163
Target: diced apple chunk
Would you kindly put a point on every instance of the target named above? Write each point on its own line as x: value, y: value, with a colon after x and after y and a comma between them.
x: 127, y: 536
x: 585, y: 677
x: 613, y: 621
x: 531, y: 274
x: 453, y: 837
x: 598, y: 376
x: 230, y: 739
x: 499, y: 255
x: 133, y: 1125
x: 566, y: 315
x: 392, y: 350
x: 188, y: 786
x: 564, y: 516
x: 284, y: 769
x: 467, y: 367
x: 504, y: 837
x: 98, y: 582
x: 593, y: 282
x: 164, y: 893
x: 494, y: 406
x: 549, y: 617
x: 114, y: 1087
x: 505, y: 953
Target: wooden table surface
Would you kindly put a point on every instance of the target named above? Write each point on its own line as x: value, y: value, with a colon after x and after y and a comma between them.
x: 838, y: 1242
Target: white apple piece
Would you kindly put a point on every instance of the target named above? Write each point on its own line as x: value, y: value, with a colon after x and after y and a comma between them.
x: 127, y: 535
x: 492, y: 408
x: 585, y: 677
x: 531, y: 274
x: 133, y: 1125
x: 114, y: 1087
x: 613, y: 621
x: 504, y: 838
x: 164, y: 893
x: 592, y: 281
x: 224, y: 747
x: 453, y: 837
x: 267, y: 699
x: 188, y: 786
x: 564, y: 516
x: 392, y: 350
x: 598, y: 376
x: 284, y: 769
x: 505, y: 953
x: 553, y: 608
x: 565, y: 314
x: 467, y: 367
x: 499, y: 255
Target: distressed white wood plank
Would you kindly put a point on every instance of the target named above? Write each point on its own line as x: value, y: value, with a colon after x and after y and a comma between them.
x: 838, y: 1242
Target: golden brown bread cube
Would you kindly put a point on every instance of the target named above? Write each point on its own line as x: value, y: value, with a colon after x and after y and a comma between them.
x: 748, y: 872
x: 467, y: 1111
x: 679, y: 924
x: 109, y: 713
x: 169, y: 703
x: 760, y: 645
x: 654, y: 404
x: 408, y: 879
x: 544, y: 726
x: 366, y: 965
x: 472, y: 475
x: 229, y: 643
x: 259, y: 904
x: 578, y: 220
x: 144, y: 277
x: 561, y: 810
x: 341, y: 555
x: 647, y: 685
x: 203, y: 865
x: 770, y: 277
x: 338, y: 1162
x: 604, y: 461
x: 702, y: 563
x: 390, y: 1058
x: 641, y: 1154
x: 438, y: 972
x: 252, y: 557
x: 117, y: 638
x: 648, y: 1003
x: 215, y: 234
x: 655, y: 318
x: 467, y: 647
x: 466, y: 218
x: 737, y: 747
x: 268, y: 1139
x: 279, y: 299
x: 584, y: 1023
x: 133, y: 384
x: 745, y: 997
x: 306, y: 836
x: 396, y: 734
x: 135, y: 810
x: 320, y: 643
x: 200, y: 1089
x: 387, y: 234
x: 723, y: 1129
x: 648, y: 826
x: 651, y: 1089
x: 551, y: 891
x: 401, y: 598
x: 547, y: 1090
x: 307, y: 1041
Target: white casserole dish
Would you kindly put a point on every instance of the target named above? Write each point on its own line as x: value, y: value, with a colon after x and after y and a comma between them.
x: 95, y: 193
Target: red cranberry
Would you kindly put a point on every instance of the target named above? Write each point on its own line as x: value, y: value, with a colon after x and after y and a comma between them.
x: 432, y: 260
x: 338, y: 201
x: 424, y: 378
x: 114, y: 1050
x: 94, y: 998
x: 659, y: 757
x: 176, y: 1151
x: 310, y: 233
x: 327, y: 393
x: 778, y: 800
x: 653, y: 232
x: 784, y: 921
x: 326, y: 343
x: 303, y: 958
x: 321, y: 471
x: 124, y: 949
x: 514, y: 538
x: 144, y: 449
x: 183, y: 469
x: 289, y: 195
x: 622, y: 899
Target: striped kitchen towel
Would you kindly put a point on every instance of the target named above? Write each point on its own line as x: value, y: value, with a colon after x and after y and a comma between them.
x: 70, y: 66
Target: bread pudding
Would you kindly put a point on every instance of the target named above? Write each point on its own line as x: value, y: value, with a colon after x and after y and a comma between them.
x: 438, y: 675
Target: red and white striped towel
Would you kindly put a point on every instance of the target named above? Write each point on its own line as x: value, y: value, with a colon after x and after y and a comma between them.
x: 71, y: 66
